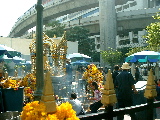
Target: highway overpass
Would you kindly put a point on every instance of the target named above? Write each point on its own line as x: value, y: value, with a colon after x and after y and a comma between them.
x: 129, y: 19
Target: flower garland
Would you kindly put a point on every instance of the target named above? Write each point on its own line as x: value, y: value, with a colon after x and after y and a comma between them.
x: 10, y: 83
x: 28, y: 93
x: 92, y: 74
x: 36, y: 111
x: 29, y: 81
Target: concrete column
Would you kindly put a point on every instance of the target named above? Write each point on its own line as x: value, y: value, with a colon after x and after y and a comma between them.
x: 107, y: 21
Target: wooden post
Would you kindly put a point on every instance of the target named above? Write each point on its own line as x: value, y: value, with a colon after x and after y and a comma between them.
x: 109, y: 96
x: 150, y: 94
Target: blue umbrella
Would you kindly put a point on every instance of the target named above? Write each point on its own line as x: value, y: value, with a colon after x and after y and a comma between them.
x: 5, y: 59
x: 2, y: 51
x: 15, y: 59
x: 8, y: 51
x: 77, y: 57
x: 144, y: 56
x: 18, y: 59
x: 80, y: 62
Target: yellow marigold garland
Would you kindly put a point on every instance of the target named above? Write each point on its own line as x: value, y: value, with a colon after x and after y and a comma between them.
x: 28, y: 93
x: 10, y: 83
x: 92, y: 74
x: 36, y: 111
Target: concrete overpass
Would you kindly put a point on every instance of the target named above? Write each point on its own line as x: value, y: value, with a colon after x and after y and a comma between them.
x: 125, y: 20
x: 70, y: 6
x: 57, y: 10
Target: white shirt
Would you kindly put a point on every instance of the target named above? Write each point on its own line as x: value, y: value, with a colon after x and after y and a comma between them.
x: 76, y: 105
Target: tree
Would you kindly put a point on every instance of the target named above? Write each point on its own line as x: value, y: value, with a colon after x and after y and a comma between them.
x: 152, y: 37
x: 153, y: 33
x: 111, y: 56
x: 123, y: 53
x: 85, y: 45
x: 56, y: 29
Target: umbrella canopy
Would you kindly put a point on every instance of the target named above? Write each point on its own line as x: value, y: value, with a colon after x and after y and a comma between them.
x: 15, y: 59
x: 77, y: 57
x: 18, y: 59
x: 5, y: 59
x: 80, y: 62
x: 144, y: 56
x: 8, y: 51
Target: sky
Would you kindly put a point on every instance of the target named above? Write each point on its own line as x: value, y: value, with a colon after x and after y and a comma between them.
x: 10, y: 11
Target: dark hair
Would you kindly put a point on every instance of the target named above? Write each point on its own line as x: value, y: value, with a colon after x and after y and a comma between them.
x: 95, y: 85
x: 116, y: 67
x: 73, y: 95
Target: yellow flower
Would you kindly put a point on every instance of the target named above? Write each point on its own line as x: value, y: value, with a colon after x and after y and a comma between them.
x: 36, y: 111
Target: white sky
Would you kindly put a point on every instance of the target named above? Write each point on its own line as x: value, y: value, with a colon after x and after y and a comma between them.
x: 10, y: 11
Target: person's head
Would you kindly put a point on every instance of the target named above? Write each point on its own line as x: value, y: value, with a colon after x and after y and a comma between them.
x: 68, y: 61
x: 125, y: 66
x: 158, y: 82
x: 116, y: 67
x: 73, y: 96
x: 94, y: 86
x: 136, y: 69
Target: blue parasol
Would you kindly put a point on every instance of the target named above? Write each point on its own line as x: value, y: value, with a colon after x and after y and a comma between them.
x: 78, y: 57
x: 80, y: 62
x: 8, y: 51
x: 144, y: 56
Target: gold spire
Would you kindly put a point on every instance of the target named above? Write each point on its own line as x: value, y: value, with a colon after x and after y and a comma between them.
x: 109, y: 96
x: 150, y: 91
x: 48, y: 97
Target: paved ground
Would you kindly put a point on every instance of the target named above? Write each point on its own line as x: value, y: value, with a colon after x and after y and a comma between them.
x: 126, y: 117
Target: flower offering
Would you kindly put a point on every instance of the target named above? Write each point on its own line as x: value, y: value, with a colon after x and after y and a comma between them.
x: 92, y: 74
x: 36, y: 111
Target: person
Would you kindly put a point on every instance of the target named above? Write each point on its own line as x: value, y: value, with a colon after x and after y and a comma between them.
x: 76, y: 104
x: 125, y: 88
x: 96, y: 98
x: 68, y: 70
x: 1, y: 69
x: 137, y: 74
x: 115, y: 73
x: 157, y: 98
x: 80, y: 71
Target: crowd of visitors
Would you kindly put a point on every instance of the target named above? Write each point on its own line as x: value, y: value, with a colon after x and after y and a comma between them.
x: 124, y: 84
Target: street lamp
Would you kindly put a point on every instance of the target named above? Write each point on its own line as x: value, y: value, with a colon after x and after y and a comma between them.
x: 39, y: 52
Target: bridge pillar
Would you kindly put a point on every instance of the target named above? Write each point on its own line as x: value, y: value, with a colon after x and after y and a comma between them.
x: 107, y: 21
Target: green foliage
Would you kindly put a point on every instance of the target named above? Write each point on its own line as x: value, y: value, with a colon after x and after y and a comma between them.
x: 85, y: 45
x: 76, y: 33
x: 152, y: 37
x: 153, y: 32
x: 111, y: 56
x: 123, y: 53
x: 57, y: 29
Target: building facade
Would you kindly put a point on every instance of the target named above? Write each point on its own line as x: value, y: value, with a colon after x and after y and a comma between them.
x: 128, y: 34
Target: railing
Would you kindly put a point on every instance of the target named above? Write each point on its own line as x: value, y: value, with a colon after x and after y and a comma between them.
x: 148, y: 108
x: 109, y: 112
